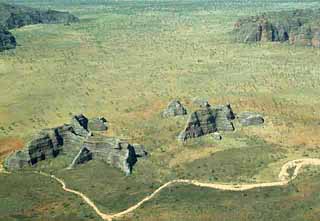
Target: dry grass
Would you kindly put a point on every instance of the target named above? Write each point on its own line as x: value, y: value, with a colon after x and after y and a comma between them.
x: 7, y: 145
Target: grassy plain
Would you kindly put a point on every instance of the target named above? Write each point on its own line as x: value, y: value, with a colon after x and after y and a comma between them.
x: 126, y: 60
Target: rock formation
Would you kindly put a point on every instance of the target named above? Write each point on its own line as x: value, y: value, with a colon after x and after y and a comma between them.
x: 98, y: 124
x: 202, y: 103
x: 208, y: 120
x: 47, y: 144
x: 7, y: 40
x: 299, y: 27
x: 82, y: 157
x: 113, y: 151
x: 216, y: 136
x: 249, y: 118
x: 224, y: 117
x: 79, y: 124
x: 13, y: 16
x: 140, y: 150
x: 174, y: 108
x: 23, y: 18
x: 75, y: 139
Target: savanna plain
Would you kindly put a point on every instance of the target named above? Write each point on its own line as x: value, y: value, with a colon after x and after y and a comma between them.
x: 126, y: 60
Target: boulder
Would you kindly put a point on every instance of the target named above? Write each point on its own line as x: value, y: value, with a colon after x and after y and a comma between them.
x: 174, y: 108
x: 97, y: 124
x: 250, y: 118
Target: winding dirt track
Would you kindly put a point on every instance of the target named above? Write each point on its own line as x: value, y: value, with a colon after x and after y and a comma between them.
x: 284, y: 179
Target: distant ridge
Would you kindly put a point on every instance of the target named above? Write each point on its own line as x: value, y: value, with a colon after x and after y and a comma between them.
x: 13, y: 16
x: 298, y: 27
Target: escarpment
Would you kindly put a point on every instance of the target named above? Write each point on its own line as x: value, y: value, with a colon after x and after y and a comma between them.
x: 7, y: 40
x: 14, y: 16
x: 76, y: 140
x: 299, y: 27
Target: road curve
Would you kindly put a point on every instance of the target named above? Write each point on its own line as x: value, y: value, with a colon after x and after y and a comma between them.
x: 284, y: 179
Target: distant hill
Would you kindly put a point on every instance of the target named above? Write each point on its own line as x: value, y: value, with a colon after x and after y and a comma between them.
x: 13, y: 16
x: 299, y: 27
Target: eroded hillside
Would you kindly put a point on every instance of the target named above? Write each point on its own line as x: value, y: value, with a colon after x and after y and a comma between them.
x: 12, y: 16
x: 299, y: 27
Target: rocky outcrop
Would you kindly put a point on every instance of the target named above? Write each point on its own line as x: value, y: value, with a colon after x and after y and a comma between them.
x: 200, y: 122
x: 224, y: 117
x: 208, y: 120
x: 174, y: 108
x: 140, y: 150
x: 113, y: 151
x: 17, y: 160
x: 48, y: 143
x: 82, y: 157
x: 202, y: 103
x: 250, y: 118
x: 79, y: 124
x: 13, y: 16
x: 76, y: 140
x: 299, y: 27
x: 7, y: 40
x: 216, y: 136
x: 23, y: 18
x: 98, y: 124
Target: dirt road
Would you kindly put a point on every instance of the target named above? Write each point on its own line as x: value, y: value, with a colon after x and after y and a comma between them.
x: 284, y: 179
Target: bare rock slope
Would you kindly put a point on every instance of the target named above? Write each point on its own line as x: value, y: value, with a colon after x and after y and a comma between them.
x: 14, y: 16
x: 299, y: 27
x: 75, y: 139
x: 208, y: 120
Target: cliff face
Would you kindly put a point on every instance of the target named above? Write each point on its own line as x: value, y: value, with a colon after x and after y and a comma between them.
x: 113, y: 151
x: 48, y: 143
x: 299, y: 27
x: 7, y: 40
x: 12, y: 16
x: 76, y: 137
x: 208, y: 120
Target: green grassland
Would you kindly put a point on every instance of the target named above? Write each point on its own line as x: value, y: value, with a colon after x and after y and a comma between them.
x: 27, y: 196
x: 298, y: 201
x: 126, y: 60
